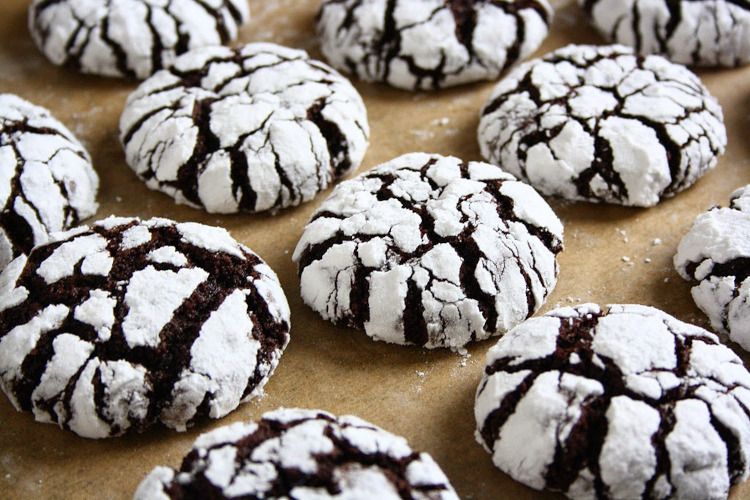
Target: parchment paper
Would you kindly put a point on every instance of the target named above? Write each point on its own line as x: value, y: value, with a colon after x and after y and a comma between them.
x: 425, y: 396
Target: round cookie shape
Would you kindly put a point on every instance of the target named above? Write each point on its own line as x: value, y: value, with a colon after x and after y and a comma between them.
x: 693, y: 32
x: 601, y: 124
x: 256, y: 128
x: 295, y: 453
x: 622, y: 402
x: 431, y: 251
x: 714, y: 256
x: 47, y: 183
x: 429, y: 44
x: 130, y: 38
x: 130, y: 323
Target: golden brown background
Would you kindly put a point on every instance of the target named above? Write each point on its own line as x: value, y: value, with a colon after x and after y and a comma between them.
x: 425, y: 396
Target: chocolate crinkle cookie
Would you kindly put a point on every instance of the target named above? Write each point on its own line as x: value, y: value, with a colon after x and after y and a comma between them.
x: 695, y: 32
x: 260, y: 127
x: 126, y: 324
x: 431, y: 251
x: 130, y: 38
x: 602, y: 124
x: 428, y: 44
x: 47, y: 183
x: 714, y: 256
x: 303, y: 454
x: 617, y: 403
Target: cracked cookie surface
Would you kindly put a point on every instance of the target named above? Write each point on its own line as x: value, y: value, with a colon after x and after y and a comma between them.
x: 694, y: 32
x: 715, y: 257
x: 601, y: 124
x: 129, y: 323
x: 257, y: 128
x: 429, y: 44
x: 130, y: 38
x: 430, y: 251
x: 625, y: 402
x: 295, y: 453
x: 47, y: 183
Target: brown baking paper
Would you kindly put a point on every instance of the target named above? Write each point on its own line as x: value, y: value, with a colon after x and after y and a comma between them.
x: 425, y: 396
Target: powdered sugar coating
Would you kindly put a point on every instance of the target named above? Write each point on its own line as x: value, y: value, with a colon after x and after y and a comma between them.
x: 129, y: 323
x: 695, y: 32
x: 626, y: 402
x: 428, y: 44
x: 256, y: 128
x: 303, y: 454
x: 133, y: 38
x: 715, y: 257
x: 430, y: 250
x: 47, y: 183
x: 603, y: 125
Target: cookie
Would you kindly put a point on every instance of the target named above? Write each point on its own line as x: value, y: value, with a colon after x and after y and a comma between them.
x: 256, y: 128
x: 47, y: 182
x: 429, y: 44
x: 130, y: 323
x: 130, y: 38
x: 714, y: 256
x: 601, y: 124
x: 695, y: 32
x: 430, y: 251
x: 294, y: 453
x: 624, y: 402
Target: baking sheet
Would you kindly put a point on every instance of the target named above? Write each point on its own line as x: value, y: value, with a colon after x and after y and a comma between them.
x: 424, y: 396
